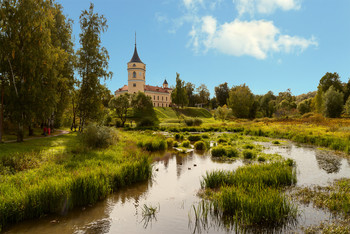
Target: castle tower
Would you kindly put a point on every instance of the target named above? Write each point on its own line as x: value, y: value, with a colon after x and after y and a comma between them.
x: 165, y: 84
x: 136, y: 73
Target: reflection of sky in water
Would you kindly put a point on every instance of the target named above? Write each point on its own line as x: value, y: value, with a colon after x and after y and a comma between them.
x: 173, y: 188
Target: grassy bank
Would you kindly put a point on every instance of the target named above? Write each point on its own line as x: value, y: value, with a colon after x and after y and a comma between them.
x: 55, y: 174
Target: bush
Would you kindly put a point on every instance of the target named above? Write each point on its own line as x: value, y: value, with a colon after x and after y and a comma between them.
x: 261, y: 159
x: 153, y: 144
x: 193, y: 121
x: 249, y: 154
x: 218, y: 151
x: 96, y: 136
x: 194, y: 138
x: 176, y: 144
x: 248, y: 146
x: 205, y: 136
x: 276, y: 142
x: 200, y: 145
x: 186, y: 144
x: 170, y: 142
x: 231, y: 152
x: 147, y: 122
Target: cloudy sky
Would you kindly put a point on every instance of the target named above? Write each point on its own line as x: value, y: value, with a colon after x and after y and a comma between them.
x: 266, y: 44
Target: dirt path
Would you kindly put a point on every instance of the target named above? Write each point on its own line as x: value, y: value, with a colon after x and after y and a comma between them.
x: 56, y: 133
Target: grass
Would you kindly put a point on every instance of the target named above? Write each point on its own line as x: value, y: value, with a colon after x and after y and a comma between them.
x: 251, y: 195
x: 335, y: 197
x: 54, y: 175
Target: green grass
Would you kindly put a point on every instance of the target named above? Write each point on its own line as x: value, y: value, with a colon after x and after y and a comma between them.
x: 55, y: 174
x: 251, y: 195
x: 195, y: 112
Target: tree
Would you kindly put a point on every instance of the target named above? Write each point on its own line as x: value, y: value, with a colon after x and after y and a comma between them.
x: 143, y: 109
x: 285, y: 103
x: 347, y: 106
x: 179, y: 95
x: 203, y: 94
x: 92, y: 64
x: 265, y: 104
x: 346, y: 91
x: 333, y: 103
x: 190, y: 93
x: 121, y: 104
x: 241, y: 101
x: 33, y: 57
x: 328, y: 80
x: 222, y: 112
x: 304, y: 106
x: 222, y: 94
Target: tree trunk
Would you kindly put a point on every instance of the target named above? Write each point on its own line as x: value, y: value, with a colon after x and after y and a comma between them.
x: 73, y: 122
x: 30, y: 130
x: 20, y: 133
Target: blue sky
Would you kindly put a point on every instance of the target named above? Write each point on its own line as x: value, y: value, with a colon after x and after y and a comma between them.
x: 266, y: 44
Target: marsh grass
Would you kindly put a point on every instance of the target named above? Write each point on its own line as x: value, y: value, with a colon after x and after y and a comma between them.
x: 252, y: 195
x: 153, y: 143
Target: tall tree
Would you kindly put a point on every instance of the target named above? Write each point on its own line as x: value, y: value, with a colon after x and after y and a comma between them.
x: 265, y: 104
x: 241, y: 101
x: 92, y: 64
x: 179, y: 95
x: 333, y: 102
x: 190, y: 93
x: 31, y: 60
x: 203, y: 94
x: 222, y: 93
x: 328, y: 80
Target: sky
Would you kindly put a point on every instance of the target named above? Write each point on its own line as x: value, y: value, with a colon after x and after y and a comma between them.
x: 267, y: 44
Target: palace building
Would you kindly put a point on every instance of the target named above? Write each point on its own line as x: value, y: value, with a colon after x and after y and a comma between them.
x: 161, y: 96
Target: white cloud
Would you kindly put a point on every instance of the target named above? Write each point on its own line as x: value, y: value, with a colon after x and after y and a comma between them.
x: 255, y: 38
x: 265, y: 6
x: 192, y: 4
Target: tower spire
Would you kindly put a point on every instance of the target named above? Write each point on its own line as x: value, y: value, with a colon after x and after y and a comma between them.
x: 135, y: 38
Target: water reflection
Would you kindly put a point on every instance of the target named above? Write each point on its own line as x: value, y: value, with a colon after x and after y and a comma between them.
x: 328, y: 162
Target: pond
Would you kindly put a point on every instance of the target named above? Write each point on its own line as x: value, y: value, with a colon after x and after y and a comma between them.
x: 173, y: 192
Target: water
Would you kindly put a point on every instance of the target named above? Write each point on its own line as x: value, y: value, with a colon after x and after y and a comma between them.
x: 173, y: 190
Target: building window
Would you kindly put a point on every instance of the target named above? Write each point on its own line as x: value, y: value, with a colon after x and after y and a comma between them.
x: 158, y: 97
x: 134, y: 74
x: 166, y: 98
x: 134, y: 84
x: 154, y: 97
x: 162, y: 98
x: 134, y: 65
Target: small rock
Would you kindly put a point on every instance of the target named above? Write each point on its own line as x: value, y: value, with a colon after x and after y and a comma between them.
x: 194, y: 165
x: 157, y: 169
x: 189, y: 168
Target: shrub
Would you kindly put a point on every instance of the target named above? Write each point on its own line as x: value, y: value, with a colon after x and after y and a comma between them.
x: 205, y: 136
x: 95, y: 136
x: 200, y: 145
x: 193, y: 121
x: 222, y: 140
x: 186, y: 144
x: 231, y: 152
x: 147, y: 122
x: 248, y: 146
x: 218, y: 151
x: 153, y: 144
x: 189, y: 122
x: 194, y: 138
x: 249, y: 154
x: 276, y: 142
x: 261, y: 159
x: 197, y: 122
x: 176, y: 144
x: 170, y: 142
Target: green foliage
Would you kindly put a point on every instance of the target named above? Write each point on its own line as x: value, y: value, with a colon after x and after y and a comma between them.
x: 333, y: 103
x: 92, y: 64
x: 328, y: 80
x: 193, y: 121
x: 203, y: 94
x: 179, y: 95
x: 194, y: 137
x: 153, y: 143
x: 170, y: 143
x: 186, y: 144
x: 224, y: 151
x: 267, y: 104
x: 143, y: 110
x: 222, y: 94
x: 347, y: 106
x: 222, y: 113
x: 95, y: 136
x: 241, y: 101
x: 200, y: 145
x: 249, y: 154
x: 195, y: 112
x: 304, y: 106
x: 121, y: 104
x: 261, y: 159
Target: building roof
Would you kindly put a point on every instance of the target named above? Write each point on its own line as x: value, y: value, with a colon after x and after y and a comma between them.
x: 165, y: 82
x: 135, y: 58
x: 156, y: 89
x: 124, y: 88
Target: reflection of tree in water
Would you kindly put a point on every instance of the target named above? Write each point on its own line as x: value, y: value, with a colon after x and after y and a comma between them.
x: 328, y: 162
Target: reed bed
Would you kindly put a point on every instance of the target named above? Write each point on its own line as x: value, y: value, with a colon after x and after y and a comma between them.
x: 252, y: 194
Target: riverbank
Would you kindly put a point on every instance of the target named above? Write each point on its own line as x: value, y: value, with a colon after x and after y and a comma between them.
x: 53, y: 175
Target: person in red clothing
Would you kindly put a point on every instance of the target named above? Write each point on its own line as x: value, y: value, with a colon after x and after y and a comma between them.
x: 49, y: 130
x: 45, y: 129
